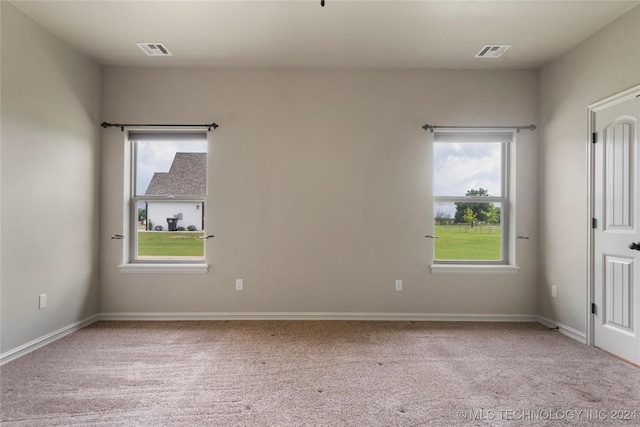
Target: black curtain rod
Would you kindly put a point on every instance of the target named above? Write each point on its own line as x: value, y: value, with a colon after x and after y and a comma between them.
x: 105, y: 125
x: 432, y: 127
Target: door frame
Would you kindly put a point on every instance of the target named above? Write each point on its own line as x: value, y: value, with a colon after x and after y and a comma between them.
x: 592, y: 109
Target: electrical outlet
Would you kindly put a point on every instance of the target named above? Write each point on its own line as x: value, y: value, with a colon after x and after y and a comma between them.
x: 42, y: 301
x: 554, y: 291
x: 398, y: 285
x: 239, y: 284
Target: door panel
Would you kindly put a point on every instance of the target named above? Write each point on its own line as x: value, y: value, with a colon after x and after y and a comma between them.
x: 618, y: 164
x: 616, y: 304
x: 616, y: 293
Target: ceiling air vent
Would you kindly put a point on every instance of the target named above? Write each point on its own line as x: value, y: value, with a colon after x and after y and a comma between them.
x: 492, y: 51
x: 154, y: 49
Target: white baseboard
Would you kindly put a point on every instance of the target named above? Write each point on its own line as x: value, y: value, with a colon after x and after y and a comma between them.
x: 168, y: 316
x: 453, y: 317
x: 46, y: 339
x: 564, y: 329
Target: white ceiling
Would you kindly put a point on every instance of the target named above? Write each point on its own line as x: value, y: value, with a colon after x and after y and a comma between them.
x: 343, y: 34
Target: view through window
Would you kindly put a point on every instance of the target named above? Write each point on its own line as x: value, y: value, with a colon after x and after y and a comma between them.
x: 169, y: 191
x: 470, y: 197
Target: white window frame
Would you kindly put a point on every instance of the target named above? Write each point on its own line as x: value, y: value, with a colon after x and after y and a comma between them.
x: 504, y: 266
x: 164, y: 265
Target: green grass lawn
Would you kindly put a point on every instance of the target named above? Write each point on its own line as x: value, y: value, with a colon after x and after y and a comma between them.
x: 460, y: 242
x: 172, y: 243
x: 456, y: 242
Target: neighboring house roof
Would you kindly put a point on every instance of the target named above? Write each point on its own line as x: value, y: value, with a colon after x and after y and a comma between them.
x: 186, y: 177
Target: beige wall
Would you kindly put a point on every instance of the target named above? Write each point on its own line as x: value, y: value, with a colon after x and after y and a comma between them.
x: 319, y: 188
x: 50, y: 218
x: 319, y: 183
x: 603, y: 65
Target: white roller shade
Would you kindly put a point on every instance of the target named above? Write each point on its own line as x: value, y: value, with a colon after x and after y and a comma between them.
x: 475, y: 136
x: 167, y: 136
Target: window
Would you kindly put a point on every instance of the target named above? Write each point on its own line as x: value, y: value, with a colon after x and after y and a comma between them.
x: 168, y: 192
x: 471, y: 197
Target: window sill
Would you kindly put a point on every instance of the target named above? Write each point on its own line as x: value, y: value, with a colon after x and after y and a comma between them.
x: 492, y: 270
x: 165, y: 268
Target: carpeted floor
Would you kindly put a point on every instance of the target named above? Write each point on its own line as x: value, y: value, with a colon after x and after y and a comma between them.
x: 318, y: 373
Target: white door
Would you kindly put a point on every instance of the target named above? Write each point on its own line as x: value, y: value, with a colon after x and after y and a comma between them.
x: 616, y: 262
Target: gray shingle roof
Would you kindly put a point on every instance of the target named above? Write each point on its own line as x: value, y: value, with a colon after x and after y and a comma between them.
x: 186, y: 177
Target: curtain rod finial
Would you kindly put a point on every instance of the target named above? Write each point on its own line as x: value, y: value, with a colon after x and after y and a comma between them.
x: 112, y: 125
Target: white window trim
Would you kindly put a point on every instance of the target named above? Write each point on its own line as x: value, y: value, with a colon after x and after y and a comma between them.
x: 161, y: 266
x: 506, y: 266
x: 164, y: 268
x: 491, y: 270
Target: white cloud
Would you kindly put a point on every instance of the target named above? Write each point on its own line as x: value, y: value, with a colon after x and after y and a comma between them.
x: 460, y: 167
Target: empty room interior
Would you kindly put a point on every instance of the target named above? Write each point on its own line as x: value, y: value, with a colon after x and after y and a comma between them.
x: 320, y: 212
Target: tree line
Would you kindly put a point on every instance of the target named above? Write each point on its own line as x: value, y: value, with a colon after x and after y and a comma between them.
x: 472, y: 213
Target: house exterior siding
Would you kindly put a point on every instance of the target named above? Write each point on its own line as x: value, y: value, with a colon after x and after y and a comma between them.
x: 158, y: 212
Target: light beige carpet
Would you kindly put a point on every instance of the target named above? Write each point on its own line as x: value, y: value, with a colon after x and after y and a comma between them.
x: 318, y: 373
